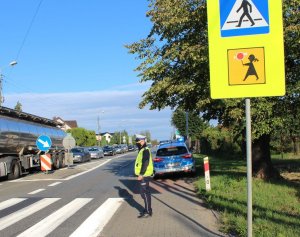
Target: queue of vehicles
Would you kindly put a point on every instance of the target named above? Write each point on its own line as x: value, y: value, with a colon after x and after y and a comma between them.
x: 20, y: 134
x: 19, y: 153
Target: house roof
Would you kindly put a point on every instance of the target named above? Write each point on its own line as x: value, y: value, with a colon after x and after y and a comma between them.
x: 103, y: 133
x: 71, y: 123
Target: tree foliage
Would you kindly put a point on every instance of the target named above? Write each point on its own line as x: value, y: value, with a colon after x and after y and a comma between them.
x: 18, y: 106
x: 196, y: 124
x: 174, y: 58
x: 83, y: 137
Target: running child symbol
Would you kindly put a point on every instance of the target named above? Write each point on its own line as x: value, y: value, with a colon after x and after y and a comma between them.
x: 251, y: 69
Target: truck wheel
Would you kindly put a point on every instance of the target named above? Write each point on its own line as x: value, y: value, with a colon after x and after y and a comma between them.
x: 56, y: 163
x: 62, y: 161
x: 15, y: 170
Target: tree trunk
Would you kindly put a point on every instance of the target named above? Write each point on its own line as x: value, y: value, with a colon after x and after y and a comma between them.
x: 261, y: 159
x: 296, y: 145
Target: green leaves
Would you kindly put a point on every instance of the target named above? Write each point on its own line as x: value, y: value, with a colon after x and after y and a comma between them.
x: 174, y: 57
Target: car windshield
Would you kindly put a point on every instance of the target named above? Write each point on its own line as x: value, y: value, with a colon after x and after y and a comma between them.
x: 77, y: 150
x: 93, y: 149
x: 171, y: 151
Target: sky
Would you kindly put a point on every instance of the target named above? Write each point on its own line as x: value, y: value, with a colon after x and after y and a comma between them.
x: 72, y: 63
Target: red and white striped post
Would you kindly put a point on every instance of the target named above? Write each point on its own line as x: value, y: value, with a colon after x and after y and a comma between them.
x: 206, y: 172
x: 46, y: 162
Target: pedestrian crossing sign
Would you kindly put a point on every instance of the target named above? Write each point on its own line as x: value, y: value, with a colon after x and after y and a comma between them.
x: 244, y: 17
x: 246, y: 49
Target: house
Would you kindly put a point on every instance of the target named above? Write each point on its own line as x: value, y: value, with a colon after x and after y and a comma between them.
x: 65, y: 124
x: 105, y: 135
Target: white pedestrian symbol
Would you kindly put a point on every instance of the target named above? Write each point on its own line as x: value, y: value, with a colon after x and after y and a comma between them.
x: 244, y: 14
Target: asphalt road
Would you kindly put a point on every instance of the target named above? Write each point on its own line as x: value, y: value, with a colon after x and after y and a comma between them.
x: 101, y: 198
x: 60, y: 203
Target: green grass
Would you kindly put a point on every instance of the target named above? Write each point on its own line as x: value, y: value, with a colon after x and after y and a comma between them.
x: 276, y: 204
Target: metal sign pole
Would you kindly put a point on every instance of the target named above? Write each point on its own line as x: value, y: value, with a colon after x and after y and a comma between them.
x: 249, y: 168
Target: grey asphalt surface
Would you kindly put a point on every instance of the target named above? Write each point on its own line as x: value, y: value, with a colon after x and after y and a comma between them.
x: 177, y: 211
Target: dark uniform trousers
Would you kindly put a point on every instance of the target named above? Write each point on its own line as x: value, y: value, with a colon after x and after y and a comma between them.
x: 145, y: 193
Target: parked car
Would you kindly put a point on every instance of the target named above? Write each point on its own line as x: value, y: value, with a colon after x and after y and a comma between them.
x: 109, y: 151
x: 124, y: 148
x: 132, y: 148
x: 118, y: 149
x: 96, y: 152
x: 173, y: 157
x: 80, y: 154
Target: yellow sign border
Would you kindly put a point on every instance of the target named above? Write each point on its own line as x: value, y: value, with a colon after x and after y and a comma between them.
x: 274, y: 55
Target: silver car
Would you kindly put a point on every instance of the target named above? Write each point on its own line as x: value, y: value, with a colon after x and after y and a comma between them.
x: 80, y: 154
x: 96, y: 152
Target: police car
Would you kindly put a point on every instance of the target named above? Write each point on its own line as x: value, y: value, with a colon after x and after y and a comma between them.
x: 173, y: 156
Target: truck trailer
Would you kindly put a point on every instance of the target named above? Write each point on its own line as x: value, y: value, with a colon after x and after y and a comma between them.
x: 18, y: 134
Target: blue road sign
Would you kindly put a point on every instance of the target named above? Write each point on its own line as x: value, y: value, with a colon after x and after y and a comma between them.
x: 43, y: 143
x: 244, y: 17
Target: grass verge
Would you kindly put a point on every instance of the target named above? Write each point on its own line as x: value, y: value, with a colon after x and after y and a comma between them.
x: 276, y: 204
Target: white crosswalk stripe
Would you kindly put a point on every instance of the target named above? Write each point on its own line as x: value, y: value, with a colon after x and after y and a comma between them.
x: 10, y: 202
x: 90, y: 227
x: 47, y: 225
x: 99, y: 218
x: 25, y: 212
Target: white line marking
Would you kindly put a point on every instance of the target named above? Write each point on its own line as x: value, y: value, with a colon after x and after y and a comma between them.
x: 24, y: 212
x: 95, y: 223
x: 37, y: 191
x: 47, y: 225
x: 76, y: 175
x: 54, y: 184
x: 10, y: 202
x: 68, y: 178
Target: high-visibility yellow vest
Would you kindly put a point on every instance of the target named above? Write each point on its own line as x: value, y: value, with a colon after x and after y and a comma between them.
x: 138, y: 163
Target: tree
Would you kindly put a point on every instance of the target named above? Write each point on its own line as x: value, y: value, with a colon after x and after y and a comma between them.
x: 174, y: 57
x: 196, y: 125
x: 83, y: 137
x: 18, y: 107
x: 147, y: 134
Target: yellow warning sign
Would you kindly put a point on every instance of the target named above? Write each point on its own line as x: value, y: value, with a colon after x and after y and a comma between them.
x: 246, y: 49
x: 246, y: 66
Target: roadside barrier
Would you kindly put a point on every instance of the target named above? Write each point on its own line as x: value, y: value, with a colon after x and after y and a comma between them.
x: 207, y: 175
x: 46, y: 162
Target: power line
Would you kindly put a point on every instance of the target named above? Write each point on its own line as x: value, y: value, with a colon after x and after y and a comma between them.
x: 29, y: 28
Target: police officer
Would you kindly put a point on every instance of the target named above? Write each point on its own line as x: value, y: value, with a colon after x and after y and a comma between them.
x: 144, y: 170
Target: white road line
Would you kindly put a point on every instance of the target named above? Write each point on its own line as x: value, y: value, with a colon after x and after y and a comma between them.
x: 76, y: 175
x: 24, y: 212
x: 54, y: 184
x: 37, y: 191
x: 47, y: 225
x: 95, y: 223
x: 68, y: 178
x: 10, y: 202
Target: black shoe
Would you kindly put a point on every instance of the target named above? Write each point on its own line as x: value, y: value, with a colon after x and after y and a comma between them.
x: 145, y: 215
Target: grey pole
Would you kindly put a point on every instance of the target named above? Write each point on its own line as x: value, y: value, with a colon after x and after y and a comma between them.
x: 249, y: 168
x: 187, y: 127
x: 1, y: 98
x: 98, y: 123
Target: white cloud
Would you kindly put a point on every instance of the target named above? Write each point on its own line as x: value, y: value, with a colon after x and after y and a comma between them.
x: 120, y: 110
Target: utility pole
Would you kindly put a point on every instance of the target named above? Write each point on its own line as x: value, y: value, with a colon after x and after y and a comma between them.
x: 1, y: 97
x: 98, y: 122
x: 187, y: 128
x: 13, y: 63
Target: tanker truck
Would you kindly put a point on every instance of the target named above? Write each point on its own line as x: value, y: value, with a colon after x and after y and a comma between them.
x: 18, y: 134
